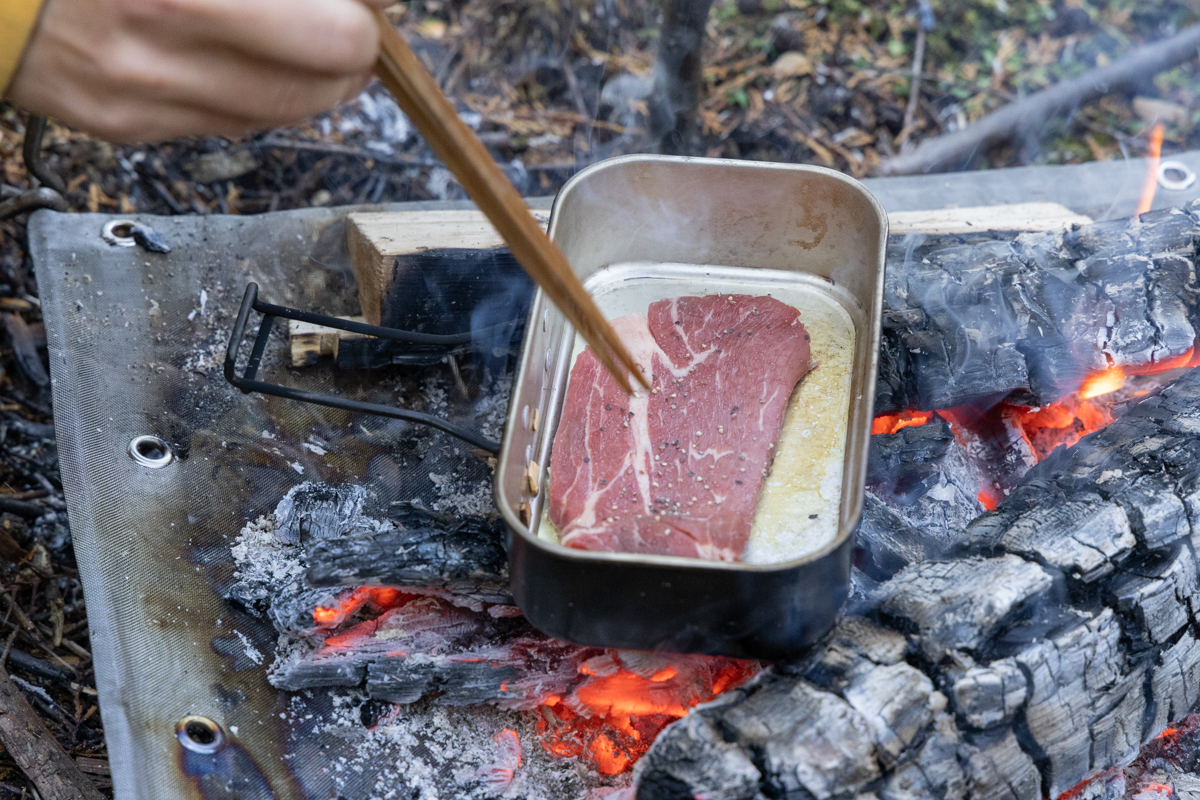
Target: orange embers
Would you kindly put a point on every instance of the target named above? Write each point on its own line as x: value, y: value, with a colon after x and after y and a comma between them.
x: 381, y: 598
x: 890, y: 423
x: 989, y: 497
x: 1087, y: 410
x: 1060, y: 424
x: 612, y: 718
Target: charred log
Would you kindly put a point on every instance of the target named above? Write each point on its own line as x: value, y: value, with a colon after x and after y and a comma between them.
x: 977, y: 320
x: 429, y: 647
x: 922, y: 492
x: 320, y: 538
x: 1049, y: 646
x: 465, y: 558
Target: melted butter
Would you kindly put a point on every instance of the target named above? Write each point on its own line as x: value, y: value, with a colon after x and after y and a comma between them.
x: 799, y: 504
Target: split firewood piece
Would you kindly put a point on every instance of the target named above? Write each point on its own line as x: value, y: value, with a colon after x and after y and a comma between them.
x: 308, y: 342
x: 974, y: 219
x: 32, y: 746
x: 439, y: 263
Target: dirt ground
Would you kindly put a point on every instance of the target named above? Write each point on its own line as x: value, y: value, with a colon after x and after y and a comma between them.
x: 550, y: 87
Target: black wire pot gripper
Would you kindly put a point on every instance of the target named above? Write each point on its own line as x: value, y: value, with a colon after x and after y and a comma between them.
x: 429, y: 343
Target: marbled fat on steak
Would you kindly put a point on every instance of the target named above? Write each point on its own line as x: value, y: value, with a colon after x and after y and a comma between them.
x: 677, y: 470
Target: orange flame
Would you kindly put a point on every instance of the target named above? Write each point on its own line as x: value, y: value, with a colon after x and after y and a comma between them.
x: 1154, y: 153
x: 1089, y: 409
x: 890, y: 423
x: 1105, y: 382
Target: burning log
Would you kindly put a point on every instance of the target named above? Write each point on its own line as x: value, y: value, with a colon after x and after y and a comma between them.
x: 320, y: 536
x: 978, y: 320
x: 922, y: 491
x: 1053, y: 641
x: 465, y: 557
x: 426, y: 645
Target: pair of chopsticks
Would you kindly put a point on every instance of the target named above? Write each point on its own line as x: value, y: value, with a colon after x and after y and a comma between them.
x: 419, y: 96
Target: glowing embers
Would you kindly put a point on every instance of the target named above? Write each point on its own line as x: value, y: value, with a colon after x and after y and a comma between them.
x: 626, y: 699
x: 376, y: 599
x: 1061, y: 424
x: 890, y: 423
x: 1006, y: 439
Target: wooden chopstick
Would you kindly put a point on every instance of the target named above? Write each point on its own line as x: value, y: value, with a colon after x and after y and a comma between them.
x: 419, y: 96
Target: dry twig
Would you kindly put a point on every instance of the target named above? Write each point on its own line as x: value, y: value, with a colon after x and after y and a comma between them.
x: 955, y: 150
x: 25, y: 737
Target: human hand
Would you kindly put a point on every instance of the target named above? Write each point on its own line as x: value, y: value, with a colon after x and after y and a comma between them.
x: 148, y: 70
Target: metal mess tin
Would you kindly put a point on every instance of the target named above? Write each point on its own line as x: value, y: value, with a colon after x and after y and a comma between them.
x: 627, y: 225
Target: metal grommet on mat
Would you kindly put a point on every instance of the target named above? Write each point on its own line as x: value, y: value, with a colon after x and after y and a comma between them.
x: 119, y: 232
x: 199, y: 734
x: 150, y: 451
x: 1175, y: 176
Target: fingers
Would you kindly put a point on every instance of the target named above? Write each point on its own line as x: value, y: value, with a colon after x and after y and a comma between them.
x: 148, y: 70
x: 135, y: 121
x: 262, y: 92
x: 338, y: 37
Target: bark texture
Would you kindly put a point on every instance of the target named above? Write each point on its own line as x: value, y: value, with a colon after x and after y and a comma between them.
x: 1053, y: 638
x: 32, y: 746
x: 978, y: 319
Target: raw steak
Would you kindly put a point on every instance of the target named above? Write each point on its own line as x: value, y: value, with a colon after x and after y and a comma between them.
x: 677, y: 470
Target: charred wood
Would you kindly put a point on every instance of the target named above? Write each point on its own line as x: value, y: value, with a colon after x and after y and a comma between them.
x: 467, y: 558
x: 1052, y: 643
x: 922, y: 492
x: 428, y: 646
x: 983, y: 318
x: 321, y: 538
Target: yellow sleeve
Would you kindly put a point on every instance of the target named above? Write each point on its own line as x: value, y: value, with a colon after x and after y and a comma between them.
x: 17, y: 18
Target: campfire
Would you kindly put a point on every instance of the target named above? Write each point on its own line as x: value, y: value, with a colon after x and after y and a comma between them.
x: 1021, y: 611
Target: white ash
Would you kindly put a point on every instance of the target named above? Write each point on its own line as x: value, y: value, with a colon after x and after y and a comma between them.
x: 463, y: 496
x: 265, y: 565
x: 491, y: 408
x: 438, y: 752
x: 435, y: 396
x: 252, y: 652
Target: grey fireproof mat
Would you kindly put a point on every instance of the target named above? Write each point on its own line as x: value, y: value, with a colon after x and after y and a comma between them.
x: 136, y: 343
